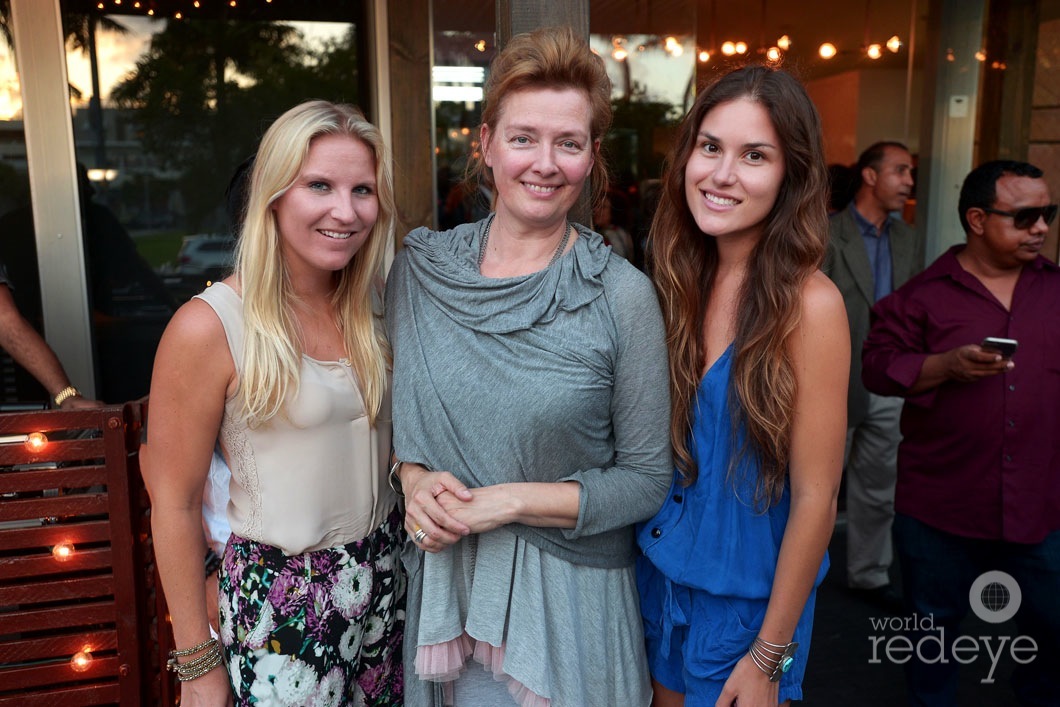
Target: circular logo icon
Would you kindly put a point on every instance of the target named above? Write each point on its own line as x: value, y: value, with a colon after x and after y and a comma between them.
x: 995, y: 597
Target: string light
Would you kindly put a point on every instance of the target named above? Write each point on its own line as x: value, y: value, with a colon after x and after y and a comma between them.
x: 784, y: 43
x: 980, y: 55
x: 728, y: 48
x: 950, y: 56
x: 894, y: 44
x: 827, y: 50
x: 63, y: 551
x: 741, y: 47
x: 704, y: 56
x: 874, y: 51
x: 82, y: 660
x: 773, y: 54
x: 36, y: 441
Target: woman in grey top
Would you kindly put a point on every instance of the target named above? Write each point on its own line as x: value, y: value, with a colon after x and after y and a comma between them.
x: 530, y: 413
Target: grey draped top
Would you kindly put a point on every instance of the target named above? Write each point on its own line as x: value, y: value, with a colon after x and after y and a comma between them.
x: 559, y: 375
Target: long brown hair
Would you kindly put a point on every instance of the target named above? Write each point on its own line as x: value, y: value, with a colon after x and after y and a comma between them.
x: 684, y: 264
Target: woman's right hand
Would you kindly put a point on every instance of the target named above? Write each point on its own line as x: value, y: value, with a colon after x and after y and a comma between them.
x: 211, y: 690
x: 422, y: 510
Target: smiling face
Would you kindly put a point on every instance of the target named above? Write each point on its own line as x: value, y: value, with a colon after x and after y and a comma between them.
x: 995, y: 237
x: 541, y: 152
x: 326, y: 215
x: 735, y: 171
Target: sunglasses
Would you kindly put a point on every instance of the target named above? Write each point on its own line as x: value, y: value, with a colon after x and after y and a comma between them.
x: 1025, y: 218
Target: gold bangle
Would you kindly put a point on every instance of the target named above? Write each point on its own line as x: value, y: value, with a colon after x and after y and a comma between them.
x: 63, y: 395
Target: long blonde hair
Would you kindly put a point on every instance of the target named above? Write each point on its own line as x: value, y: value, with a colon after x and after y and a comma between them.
x: 685, y: 261
x: 269, y: 369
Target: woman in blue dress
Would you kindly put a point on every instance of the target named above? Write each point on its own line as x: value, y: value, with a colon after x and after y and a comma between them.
x: 759, y: 356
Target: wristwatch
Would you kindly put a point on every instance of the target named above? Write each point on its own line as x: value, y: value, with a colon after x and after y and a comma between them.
x: 66, y: 393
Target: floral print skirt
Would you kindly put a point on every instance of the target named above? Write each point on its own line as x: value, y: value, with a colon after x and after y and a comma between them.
x: 320, y: 628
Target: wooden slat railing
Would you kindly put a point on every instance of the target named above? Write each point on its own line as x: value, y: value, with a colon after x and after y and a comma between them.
x: 80, y: 627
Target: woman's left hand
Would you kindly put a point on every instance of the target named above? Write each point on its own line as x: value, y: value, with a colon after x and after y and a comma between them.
x: 426, y: 520
x: 749, y: 686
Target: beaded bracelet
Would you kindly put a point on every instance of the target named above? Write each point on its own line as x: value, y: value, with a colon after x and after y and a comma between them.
x: 209, y: 658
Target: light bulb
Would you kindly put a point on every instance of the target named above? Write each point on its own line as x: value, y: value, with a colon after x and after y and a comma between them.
x: 874, y: 51
x: 81, y: 661
x: 773, y: 54
x: 827, y: 50
x: 704, y: 57
x: 36, y: 441
x: 63, y: 551
x: 894, y: 44
x: 728, y: 48
x: 741, y: 47
x: 784, y: 43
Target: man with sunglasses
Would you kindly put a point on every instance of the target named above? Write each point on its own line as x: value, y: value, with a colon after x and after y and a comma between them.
x: 979, y: 466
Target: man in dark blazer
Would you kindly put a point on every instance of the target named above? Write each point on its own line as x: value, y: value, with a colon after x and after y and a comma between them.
x: 872, y: 252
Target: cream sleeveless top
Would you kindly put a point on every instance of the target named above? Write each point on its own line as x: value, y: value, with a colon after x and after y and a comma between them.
x: 314, y: 476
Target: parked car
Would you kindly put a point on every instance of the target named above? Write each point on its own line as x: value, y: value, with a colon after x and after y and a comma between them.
x: 206, y: 254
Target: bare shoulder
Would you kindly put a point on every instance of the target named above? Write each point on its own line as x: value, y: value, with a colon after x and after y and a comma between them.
x: 822, y: 304
x: 822, y: 333
x: 194, y: 324
x: 194, y: 341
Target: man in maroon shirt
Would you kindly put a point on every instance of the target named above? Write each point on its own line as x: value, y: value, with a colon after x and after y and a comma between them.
x: 979, y: 465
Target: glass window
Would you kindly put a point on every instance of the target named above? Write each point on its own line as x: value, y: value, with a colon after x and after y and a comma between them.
x: 168, y: 99
x: 653, y: 77
x: 464, y: 45
x: 18, y: 255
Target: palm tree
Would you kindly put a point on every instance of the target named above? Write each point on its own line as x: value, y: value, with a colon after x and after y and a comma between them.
x: 80, y: 32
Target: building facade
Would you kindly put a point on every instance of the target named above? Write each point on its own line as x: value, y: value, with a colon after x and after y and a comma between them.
x: 121, y: 121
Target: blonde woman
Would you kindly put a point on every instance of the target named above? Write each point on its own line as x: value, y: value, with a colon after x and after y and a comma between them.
x: 286, y: 363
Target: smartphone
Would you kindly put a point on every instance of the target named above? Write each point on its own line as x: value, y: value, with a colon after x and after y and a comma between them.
x: 1005, y: 347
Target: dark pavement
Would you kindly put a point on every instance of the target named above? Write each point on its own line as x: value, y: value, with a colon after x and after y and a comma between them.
x: 843, y: 670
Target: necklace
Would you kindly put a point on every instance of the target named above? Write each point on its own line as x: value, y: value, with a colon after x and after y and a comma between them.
x: 486, y: 236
